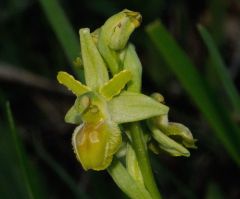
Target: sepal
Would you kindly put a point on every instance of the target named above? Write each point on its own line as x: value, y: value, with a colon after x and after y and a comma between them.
x: 131, y: 107
x: 95, y: 70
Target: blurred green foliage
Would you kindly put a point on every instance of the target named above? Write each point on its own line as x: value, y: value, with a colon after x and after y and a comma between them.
x: 41, y: 38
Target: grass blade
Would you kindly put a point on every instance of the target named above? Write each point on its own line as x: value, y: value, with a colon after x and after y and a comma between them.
x: 196, y: 87
x: 60, y: 172
x: 220, y: 68
x: 214, y: 192
x: 20, y: 153
x: 63, y: 30
x: 165, y: 176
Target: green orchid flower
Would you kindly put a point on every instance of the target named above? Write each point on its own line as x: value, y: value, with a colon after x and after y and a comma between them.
x: 101, y: 105
x: 111, y: 96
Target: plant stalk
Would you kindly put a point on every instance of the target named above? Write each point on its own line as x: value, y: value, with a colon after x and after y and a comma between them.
x: 140, y: 149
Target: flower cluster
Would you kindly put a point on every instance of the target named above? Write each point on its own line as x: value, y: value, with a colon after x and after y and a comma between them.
x: 112, y: 96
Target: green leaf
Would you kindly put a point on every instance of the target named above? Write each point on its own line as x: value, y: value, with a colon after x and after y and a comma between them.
x: 131, y: 62
x: 126, y: 183
x: 72, y: 84
x: 116, y: 84
x: 214, y: 191
x: 95, y: 70
x: 19, y: 177
x: 66, y: 36
x: 197, y: 88
x: 22, y: 160
x: 61, y: 173
x: 130, y: 107
x: 220, y: 68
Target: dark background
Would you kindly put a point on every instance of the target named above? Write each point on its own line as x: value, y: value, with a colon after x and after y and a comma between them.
x: 31, y: 56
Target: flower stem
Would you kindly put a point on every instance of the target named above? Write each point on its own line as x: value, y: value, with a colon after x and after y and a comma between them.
x: 143, y: 159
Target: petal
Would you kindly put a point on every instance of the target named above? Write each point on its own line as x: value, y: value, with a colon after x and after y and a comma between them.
x: 72, y: 84
x: 116, y: 84
x: 95, y: 143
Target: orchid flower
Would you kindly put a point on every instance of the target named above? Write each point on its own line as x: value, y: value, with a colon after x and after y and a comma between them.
x: 101, y: 105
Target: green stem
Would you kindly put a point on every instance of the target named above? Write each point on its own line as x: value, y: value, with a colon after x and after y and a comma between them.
x: 143, y: 160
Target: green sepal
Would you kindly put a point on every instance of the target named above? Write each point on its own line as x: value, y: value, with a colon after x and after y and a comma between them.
x: 131, y: 62
x: 116, y: 84
x: 95, y: 70
x: 131, y: 107
x: 72, y: 84
x: 110, y: 56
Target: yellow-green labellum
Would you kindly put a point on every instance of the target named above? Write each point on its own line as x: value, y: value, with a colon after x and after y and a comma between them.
x: 95, y: 143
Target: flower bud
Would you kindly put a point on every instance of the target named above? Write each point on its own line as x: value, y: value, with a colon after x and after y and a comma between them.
x: 114, y: 35
x: 167, y: 144
x: 181, y: 133
x: 125, y: 24
x: 158, y: 97
x: 170, y: 137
